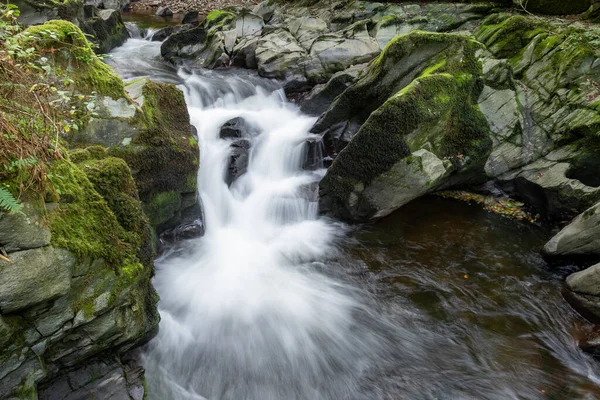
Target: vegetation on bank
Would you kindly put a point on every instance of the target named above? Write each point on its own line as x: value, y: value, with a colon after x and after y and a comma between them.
x: 40, y: 100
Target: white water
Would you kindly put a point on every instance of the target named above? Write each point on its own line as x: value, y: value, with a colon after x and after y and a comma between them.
x: 246, y: 314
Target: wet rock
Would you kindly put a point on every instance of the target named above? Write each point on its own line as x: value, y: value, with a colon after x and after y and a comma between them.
x: 235, y: 128
x: 580, y: 238
x: 313, y: 154
x: 321, y: 96
x: 280, y: 56
x: 164, y: 12
x: 111, y: 378
x: 163, y: 33
x: 238, y: 160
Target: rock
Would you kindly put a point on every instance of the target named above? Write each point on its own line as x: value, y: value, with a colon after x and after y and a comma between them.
x: 580, y: 238
x: 107, y: 29
x: 238, y: 160
x: 313, y: 155
x: 190, y: 17
x: 101, y: 378
x: 164, y: 12
x: 416, y: 125
x: 35, y: 276
x: 322, y: 96
x: 163, y: 33
x: 202, y: 46
x: 586, y: 281
x: 23, y: 231
x: 593, y: 13
x: 153, y: 136
x: 533, y: 111
x: 279, y: 56
x: 235, y: 128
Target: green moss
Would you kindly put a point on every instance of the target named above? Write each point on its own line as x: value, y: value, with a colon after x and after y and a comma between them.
x: 112, y: 179
x: 72, y: 51
x: 162, y: 207
x: 219, y: 15
x: 505, y: 34
x: 84, y: 223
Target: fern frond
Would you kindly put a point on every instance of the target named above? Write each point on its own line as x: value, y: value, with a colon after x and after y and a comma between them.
x: 8, y: 201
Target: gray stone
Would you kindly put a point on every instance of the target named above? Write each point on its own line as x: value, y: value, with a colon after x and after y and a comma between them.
x: 35, y: 276
x: 164, y: 12
x: 23, y: 231
x: 586, y: 281
x: 580, y: 237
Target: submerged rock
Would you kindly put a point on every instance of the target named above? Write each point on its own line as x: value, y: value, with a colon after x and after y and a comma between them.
x: 235, y: 128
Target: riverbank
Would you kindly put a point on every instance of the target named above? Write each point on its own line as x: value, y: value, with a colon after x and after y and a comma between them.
x: 203, y: 7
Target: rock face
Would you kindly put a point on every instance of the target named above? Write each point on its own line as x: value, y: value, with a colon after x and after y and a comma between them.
x: 413, y: 122
x: 580, y: 238
x: 540, y: 99
x: 78, y: 282
x: 304, y: 46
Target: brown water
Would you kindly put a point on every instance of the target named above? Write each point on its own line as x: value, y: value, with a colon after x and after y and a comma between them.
x: 488, y: 314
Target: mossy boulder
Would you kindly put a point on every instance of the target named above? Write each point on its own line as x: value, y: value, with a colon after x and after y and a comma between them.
x: 418, y: 123
x: 150, y: 130
x: 69, y: 49
x: 34, y: 12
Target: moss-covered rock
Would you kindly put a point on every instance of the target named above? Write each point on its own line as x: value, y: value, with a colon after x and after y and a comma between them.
x: 69, y: 49
x: 152, y: 133
x: 418, y: 100
x: 87, y: 289
x: 541, y: 97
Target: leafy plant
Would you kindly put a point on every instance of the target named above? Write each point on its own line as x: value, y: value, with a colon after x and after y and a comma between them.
x: 8, y: 201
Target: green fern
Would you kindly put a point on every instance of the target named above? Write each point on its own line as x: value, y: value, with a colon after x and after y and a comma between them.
x: 8, y: 201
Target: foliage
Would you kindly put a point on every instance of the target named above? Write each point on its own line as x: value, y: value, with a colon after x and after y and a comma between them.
x: 506, y: 207
x: 8, y: 202
x: 38, y: 104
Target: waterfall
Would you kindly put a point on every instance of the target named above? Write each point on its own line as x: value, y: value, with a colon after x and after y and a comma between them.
x: 247, y: 310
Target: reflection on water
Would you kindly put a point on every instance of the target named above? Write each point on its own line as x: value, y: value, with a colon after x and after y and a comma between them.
x: 491, y: 320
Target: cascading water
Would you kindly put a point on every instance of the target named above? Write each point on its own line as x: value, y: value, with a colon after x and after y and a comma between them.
x: 266, y: 306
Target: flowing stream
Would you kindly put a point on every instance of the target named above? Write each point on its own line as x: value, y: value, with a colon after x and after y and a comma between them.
x: 439, y: 301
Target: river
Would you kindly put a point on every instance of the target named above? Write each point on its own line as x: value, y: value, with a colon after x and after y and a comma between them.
x: 441, y: 300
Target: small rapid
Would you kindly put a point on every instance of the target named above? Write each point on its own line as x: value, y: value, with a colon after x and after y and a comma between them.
x: 276, y: 303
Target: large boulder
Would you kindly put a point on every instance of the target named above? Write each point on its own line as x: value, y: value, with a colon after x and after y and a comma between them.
x: 412, y: 121
x: 580, y: 238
